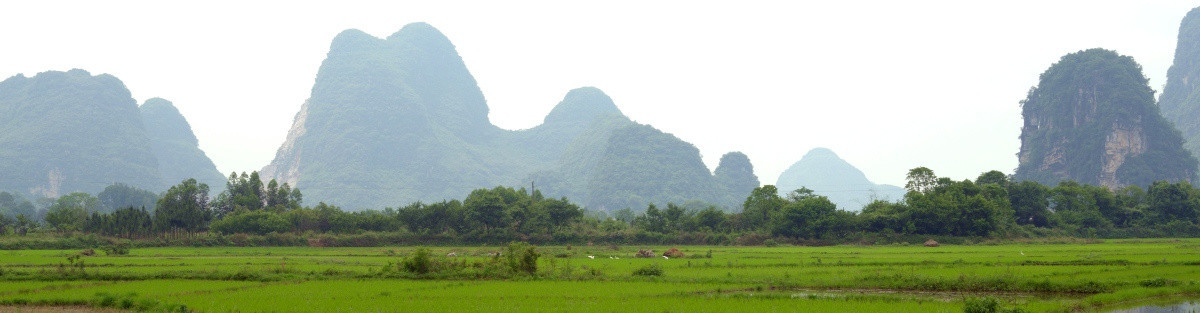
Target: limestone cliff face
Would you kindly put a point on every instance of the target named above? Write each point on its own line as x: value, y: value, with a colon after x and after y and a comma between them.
x: 1122, y: 142
x: 286, y: 167
x: 1092, y: 119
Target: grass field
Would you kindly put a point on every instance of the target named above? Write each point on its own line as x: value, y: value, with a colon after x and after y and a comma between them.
x: 1025, y: 277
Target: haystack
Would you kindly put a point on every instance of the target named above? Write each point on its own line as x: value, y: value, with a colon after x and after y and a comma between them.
x: 644, y: 253
x: 673, y: 252
x: 931, y: 243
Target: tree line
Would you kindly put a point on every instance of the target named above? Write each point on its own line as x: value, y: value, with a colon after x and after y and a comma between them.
x: 991, y: 206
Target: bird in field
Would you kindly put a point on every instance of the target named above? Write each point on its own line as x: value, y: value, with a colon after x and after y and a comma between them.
x: 592, y: 257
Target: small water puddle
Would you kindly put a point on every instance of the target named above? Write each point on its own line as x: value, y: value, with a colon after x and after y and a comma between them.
x: 1182, y: 307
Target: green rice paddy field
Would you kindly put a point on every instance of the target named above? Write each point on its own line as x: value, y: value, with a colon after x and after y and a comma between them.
x: 1022, y: 277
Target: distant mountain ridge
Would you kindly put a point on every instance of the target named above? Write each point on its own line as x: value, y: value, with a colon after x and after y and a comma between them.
x: 398, y: 120
x: 62, y: 132
x: 829, y: 175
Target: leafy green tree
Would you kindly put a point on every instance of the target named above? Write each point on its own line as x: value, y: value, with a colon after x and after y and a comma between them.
x: 992, y: 177
x: 760, y: 205
x: 810, y: 216
x: 118, y: 196
x: 1030, y: 202
x: 485, y: 208
x: 1132, y: 204
x: 70, y: 211
x: 1074, y: 206
x: 561, y: 211
x: 184, y: 207
x: 625, y: 215
x: 1173, y: 202
x: 711, y: 219
x: 921, y: 179
x: 13, y: 205
x: 652, y: 220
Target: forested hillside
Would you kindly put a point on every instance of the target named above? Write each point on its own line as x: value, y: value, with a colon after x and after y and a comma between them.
x: 175, y: 146
x: 70, y: 131
x: 1180, y: 99
x: 1092, y: 119
x: 398, y: 120
x: 64, y: 132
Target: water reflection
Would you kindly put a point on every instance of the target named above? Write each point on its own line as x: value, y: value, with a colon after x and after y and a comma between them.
x: 1184, y: 307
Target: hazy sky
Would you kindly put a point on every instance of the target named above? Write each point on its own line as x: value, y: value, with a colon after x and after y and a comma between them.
x: 888, y: 85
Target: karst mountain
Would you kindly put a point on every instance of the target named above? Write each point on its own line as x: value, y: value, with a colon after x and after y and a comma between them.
x: 63, y: 132
x: 395, y: 120
x: 1092, y: 118
x: 827, y: 174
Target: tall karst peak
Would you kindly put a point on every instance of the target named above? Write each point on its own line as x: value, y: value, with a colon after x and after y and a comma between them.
x: 581, y: 106
x: 175, y: 146
x: 736, y: 174
x: 163, y: 121
x: 827, y: 174
x: 1180, y: 99
x: 62, y: 132
x: 351, y: 40
x: 396, y: 120
x: 423, y: 35
x: 1092, y: 119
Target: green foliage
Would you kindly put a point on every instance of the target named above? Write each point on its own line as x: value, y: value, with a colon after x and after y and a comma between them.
x: 522, y: 257
x: 418, y: 263
x: 128, y: 222
x: 987, y: 305
x: 119, y: 196
x: 247, y: 192
x: 652, y: 269
x: 251, y: 222
x: 760, y: 205
x: 70, y: 211
x: 184, y: 207
x: 119, y: 248
x: 13, y: 205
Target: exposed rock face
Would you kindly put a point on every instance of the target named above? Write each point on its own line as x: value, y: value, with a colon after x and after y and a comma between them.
x: 175, y: 146
x: 828, y: 175
x: 1124, y: 141
x: 1180, y: 99
x: 1092, y: 119
x: 286, y: 167
x: 398, y: 120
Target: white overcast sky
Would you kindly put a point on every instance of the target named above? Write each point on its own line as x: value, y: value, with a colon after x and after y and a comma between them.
x: 888, y: 85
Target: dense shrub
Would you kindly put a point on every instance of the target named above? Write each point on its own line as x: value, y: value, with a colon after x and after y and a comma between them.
x: 418, y: 262
x: 649, y: 270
